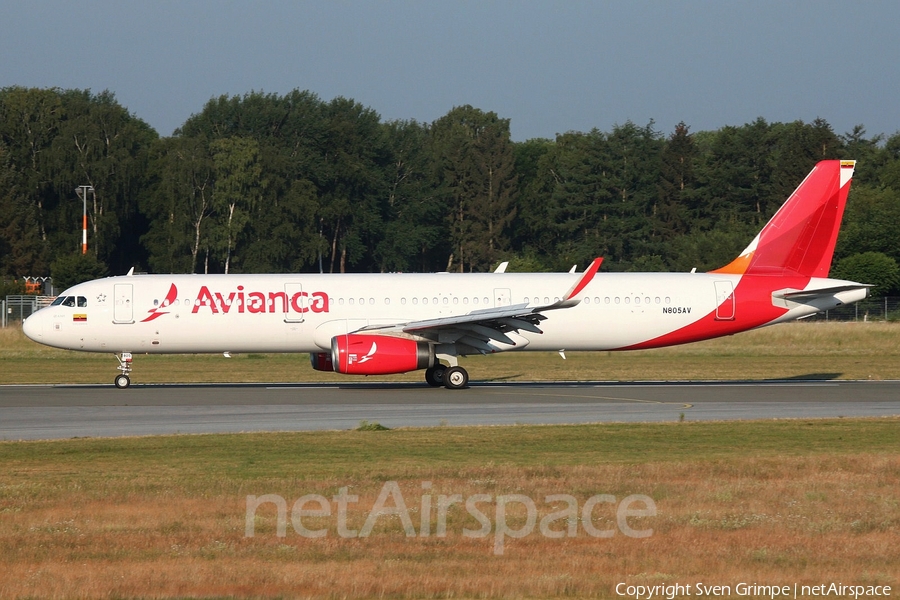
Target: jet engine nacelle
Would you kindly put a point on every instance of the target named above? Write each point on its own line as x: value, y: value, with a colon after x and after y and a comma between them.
x: 361, y: 354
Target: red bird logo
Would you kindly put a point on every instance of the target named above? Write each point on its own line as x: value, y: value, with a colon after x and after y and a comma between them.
x: 157, y: 311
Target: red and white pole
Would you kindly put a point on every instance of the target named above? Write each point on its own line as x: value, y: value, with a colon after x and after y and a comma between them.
x: 82, y: 191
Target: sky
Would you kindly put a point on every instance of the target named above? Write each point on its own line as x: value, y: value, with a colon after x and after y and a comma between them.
x: 549, y: 67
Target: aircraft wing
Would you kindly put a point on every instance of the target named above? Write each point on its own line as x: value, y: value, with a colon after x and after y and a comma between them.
x: 487, y: 330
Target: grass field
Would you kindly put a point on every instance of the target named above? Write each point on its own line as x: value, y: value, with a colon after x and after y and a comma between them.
x: 796, y: 350
x: 768, y: 502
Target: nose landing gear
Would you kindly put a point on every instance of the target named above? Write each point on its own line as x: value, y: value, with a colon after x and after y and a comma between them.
x: 122, y: 380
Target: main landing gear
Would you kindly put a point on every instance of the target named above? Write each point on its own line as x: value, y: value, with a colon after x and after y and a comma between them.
x: 122, y: 380
x: 452, y: 378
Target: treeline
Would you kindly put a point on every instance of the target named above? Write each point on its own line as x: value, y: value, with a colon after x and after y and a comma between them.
x: 293, y: 183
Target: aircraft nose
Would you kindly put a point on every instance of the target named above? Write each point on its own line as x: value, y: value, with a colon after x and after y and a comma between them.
x: 33, y: 327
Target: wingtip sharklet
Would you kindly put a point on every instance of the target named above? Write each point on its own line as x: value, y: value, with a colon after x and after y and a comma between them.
x: 586, y: 278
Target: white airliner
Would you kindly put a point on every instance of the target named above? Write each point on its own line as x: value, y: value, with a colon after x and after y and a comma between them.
x: 375, y: 324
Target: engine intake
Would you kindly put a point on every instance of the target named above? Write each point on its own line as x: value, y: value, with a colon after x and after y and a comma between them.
x: 321, y: 361
x: 361, y: 354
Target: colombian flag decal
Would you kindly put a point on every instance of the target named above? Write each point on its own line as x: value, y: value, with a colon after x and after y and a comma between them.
x: 79, y: 318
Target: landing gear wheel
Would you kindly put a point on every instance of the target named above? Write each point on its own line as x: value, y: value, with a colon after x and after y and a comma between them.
x: 435, y: 375
x: 456, y: 378
x: 122, y: 380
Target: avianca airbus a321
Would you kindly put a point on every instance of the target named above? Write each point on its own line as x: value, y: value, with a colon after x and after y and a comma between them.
x: 375, y: 324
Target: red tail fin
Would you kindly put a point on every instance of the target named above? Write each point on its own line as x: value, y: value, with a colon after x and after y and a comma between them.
x: 800, y: 238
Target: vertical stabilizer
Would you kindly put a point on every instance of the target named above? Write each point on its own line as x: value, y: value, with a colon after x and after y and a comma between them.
x: 800, y: 238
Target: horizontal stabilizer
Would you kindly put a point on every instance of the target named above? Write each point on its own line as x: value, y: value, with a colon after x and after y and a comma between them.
x: 802, y: 295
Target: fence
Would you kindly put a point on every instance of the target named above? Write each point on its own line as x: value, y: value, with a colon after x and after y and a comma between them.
x: 18, y: 308
x: 870, y: 309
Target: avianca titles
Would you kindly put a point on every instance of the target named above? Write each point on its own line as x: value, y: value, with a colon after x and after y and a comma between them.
x: 374, y: 324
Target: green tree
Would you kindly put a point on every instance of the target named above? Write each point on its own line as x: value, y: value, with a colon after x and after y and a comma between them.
x: 567, y: 205
x: 889, y: 175
x: 632, y: 176
x: 180, y: 203
x: 29, y: 122
x: 874, y: 268
x: 106, y: 147
x: 864, y: 150
x: 415, y: 233
x: 871, y: 222
x: 235, y: 193
x: 71, y: 269
x: 282, y: 235
x: 352, y: 183
x: 676, y: 183
x: 60, y: 139
x: 475, y: 173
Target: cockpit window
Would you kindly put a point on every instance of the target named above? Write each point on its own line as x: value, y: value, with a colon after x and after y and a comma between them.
x: 79, y: 301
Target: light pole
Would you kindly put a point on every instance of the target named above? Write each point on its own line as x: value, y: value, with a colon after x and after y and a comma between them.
x: 82, y: 191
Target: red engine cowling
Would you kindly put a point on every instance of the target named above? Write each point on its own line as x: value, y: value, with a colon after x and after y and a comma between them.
x: 321, y: 361
x: 360, y: 354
